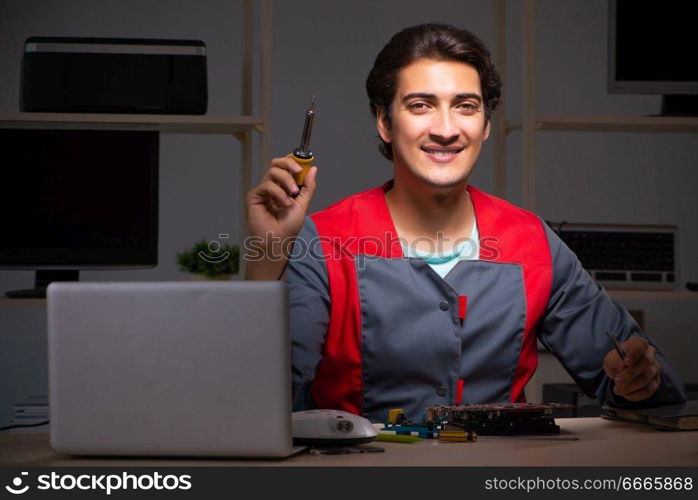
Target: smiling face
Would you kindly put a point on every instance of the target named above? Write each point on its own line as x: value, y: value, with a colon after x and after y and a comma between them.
x: 438, y: 122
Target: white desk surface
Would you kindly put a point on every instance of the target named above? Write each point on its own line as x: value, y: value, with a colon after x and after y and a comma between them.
x: 601, y: 443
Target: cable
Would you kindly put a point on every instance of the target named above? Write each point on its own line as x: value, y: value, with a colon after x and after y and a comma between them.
x: 19, y: 426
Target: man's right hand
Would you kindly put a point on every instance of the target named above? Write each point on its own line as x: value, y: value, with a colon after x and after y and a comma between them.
x: 274, y: 216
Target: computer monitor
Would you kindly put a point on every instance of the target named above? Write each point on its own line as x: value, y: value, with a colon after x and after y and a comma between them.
x: 77, y: 199
x: 651, y: 48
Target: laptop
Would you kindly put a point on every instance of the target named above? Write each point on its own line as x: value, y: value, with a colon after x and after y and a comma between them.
x: 170, y: 369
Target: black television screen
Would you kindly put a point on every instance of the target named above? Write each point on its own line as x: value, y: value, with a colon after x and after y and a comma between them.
x: 652, y: 47
x: 75, y: 199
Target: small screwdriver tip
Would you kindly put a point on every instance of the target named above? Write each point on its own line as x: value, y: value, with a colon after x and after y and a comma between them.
x: 312, y: 104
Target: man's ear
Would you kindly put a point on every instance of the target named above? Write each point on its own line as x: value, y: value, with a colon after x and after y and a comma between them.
x: 487, y: 130
x: 382, y: 126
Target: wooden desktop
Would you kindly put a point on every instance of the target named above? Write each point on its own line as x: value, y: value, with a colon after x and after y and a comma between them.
x: 583, y: 442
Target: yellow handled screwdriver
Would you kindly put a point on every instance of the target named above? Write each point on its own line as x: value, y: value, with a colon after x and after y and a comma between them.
x: 303, y: 155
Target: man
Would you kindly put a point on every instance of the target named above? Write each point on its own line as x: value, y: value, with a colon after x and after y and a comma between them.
x: 426, y: 290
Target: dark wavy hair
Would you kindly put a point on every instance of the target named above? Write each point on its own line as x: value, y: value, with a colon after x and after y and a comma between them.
x: 429, y: 41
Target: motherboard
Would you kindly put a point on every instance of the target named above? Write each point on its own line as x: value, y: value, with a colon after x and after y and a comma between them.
x: 492, y: 419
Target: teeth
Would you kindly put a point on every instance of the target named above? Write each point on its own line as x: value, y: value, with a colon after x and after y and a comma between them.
x: 441, y: 152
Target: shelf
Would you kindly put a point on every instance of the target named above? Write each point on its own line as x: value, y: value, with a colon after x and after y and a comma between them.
x: 652, y: 295
x: 7, y: 302
x: 612, y: 123
x: 176, y: 124
x: 530, y: 122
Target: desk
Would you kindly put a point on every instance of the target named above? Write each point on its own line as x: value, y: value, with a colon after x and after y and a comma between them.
x: 601, y: 443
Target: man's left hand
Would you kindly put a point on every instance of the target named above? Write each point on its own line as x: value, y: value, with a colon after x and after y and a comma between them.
x: 636, y: 376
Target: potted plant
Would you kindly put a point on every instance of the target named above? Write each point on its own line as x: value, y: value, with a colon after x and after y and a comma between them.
x: 210, y: 260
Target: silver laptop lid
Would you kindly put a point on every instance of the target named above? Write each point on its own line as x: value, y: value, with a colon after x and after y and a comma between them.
x: 171, y: 368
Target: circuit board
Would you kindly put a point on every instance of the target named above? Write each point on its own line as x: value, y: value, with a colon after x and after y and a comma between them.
x: 497, y: 418
x: 493, y: 419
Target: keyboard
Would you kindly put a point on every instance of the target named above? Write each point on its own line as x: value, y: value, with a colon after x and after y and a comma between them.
x: 631, y: 257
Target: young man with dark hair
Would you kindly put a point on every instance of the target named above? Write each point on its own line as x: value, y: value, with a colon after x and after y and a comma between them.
x: 428, y: 291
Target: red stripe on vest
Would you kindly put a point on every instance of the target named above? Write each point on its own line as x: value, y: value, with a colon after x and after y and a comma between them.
x: 462, y: 305
x: 511, y: 234
x: 459, y: 392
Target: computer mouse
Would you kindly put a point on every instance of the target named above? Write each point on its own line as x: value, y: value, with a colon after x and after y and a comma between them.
x: 331, y: 427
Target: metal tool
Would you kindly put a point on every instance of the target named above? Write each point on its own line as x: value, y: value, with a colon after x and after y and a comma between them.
x: 616, y: 345
x: 303, y: 155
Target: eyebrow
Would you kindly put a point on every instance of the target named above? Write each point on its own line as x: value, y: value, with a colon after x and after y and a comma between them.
x: 425, y: 95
